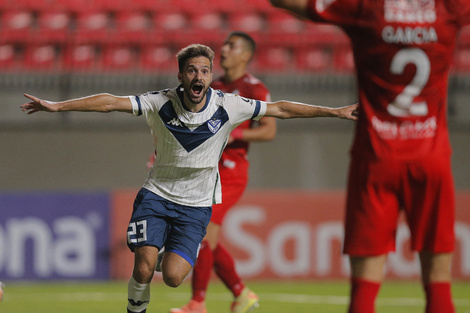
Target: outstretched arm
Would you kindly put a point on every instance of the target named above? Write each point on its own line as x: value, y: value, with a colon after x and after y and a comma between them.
x: 96, y: 103
x: 286, y: 109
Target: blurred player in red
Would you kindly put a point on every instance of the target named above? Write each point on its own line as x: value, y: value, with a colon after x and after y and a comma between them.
x: 401, y: 151
x: 236, y: 53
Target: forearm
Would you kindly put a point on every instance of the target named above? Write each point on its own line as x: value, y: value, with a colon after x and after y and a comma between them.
x: 96, y: 103
x: 287, y: 109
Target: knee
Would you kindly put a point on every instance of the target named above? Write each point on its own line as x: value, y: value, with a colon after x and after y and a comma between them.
x: 172, y: 280
x: 143, y: 273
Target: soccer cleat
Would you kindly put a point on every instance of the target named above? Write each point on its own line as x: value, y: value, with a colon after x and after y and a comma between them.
x: 158, y: 266
x: 245, y: 302
x: 193, y: 306
x: 1, y: 290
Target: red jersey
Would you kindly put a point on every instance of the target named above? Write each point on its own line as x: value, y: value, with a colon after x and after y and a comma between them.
x: 246, y: 86
x: 402, y: 51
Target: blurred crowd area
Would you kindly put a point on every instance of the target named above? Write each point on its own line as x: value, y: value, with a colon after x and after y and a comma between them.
x: 142, y: 36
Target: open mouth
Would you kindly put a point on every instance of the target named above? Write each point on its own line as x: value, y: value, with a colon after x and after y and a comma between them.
x: 197, y: 89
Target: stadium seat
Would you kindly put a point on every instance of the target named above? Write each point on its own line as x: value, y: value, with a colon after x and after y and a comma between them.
x: 284, y: 29
x: 131, y: 27
x: 250, y: 22
x: 208, y: 27
x: 343, y: 59
x: 92, y: 27
x: 32, y: 5
x: 16, y: 26
x: 53, y: 26
x: 313, y: 59
x: 40, y: 58
x: 273, y: 59
x: 117, y: 58
x: 79, y: 58
x: 461, y: 62
x: 77, y: 5
x: 157, y: 58
x: 173, y: 27
x: 7, y: 57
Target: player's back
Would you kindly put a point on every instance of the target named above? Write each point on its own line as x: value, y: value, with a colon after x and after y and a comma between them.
x: 402, y: 51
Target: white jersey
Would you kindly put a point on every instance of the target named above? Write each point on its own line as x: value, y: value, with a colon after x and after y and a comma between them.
x: 190, y: 144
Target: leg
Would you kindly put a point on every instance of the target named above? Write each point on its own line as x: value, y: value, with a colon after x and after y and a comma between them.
x: 174, y: 269
x: 436, y: 277
x: 138, y: 288
x: 367, y: 275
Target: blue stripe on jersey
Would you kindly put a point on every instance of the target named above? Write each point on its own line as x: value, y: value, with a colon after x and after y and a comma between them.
x: 139, y: 113
x: 257, y: 109
x: 190, y: 140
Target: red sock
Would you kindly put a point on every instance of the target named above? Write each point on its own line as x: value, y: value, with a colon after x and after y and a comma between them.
x: 439, y: 298
x: 363, y: 295
x: 202, y: 272
x: 224, y: 267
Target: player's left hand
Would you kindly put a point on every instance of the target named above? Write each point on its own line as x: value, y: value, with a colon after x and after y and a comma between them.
x: 349, y: 112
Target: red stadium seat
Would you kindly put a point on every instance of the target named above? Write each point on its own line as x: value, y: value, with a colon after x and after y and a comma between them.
x: 250, y: 22
x: 157, y: 58
x: 77, y: 5
x: 16, y: 26
x: 79, y: 58
x: 343, y: 59
x: 284, y: 28
x: 40, y: 58
x: 131, y: 27
x: 53, y: 26
x: 92, y: 27
x: 313, y: 59
x: 7, y: 57
x: 117, y: 58
x: 274, y: 59
x: 208, y: 27
x: 173, y: 27
x: 461, y: 62
x: 36, y: 5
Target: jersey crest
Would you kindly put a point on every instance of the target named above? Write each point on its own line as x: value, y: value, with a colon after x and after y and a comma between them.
x: 214, y: 124
x: 191, y: 139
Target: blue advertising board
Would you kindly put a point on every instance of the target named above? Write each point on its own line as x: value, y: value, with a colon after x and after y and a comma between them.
x: 54, y: 236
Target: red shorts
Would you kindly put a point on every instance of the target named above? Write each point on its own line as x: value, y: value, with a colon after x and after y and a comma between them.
x: 379, y: 189
x: 234, y: 178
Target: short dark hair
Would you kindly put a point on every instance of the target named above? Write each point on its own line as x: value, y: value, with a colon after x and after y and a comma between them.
x: 192, y: 51
x: 247, y: 38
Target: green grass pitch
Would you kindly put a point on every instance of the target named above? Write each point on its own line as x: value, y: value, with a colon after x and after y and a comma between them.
x: 275, y: 297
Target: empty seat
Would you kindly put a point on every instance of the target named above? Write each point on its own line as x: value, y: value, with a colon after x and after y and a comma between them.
x: 284, y: 28
x: 77, y: 5
x: 92, y: 27
x: 313, y: 59
x: 7, y: 57
x: 131, y: 27
x: 273, y: 59
x: 343, y: 59
x: 53, y: 26
x: 79, y: 58
x: 16, y: 26
x: 40, y: 58
x: 250, y: 22
x: 36, y: 5
x: 173, y: 27
x: 461, y: 62
x: 117, y: 58
x: 208, y: 27
x: 157, y: 59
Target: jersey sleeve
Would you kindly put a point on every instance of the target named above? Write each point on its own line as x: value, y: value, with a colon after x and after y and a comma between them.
x: 338, y: 12
x: 147, y: 102
x: 241, y: 109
